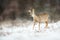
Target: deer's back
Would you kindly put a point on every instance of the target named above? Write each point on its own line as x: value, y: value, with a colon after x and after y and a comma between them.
x: 41, y: 17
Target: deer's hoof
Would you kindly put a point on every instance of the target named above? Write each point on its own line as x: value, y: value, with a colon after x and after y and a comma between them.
x: 46, y: 27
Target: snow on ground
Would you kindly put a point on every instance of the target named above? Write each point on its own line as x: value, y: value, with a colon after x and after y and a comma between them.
x: 26, y: 32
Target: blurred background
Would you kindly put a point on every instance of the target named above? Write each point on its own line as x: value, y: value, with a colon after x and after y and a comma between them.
x: 13, y: 9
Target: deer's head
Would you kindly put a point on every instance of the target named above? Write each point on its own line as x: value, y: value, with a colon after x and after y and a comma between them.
x: 31, y: 12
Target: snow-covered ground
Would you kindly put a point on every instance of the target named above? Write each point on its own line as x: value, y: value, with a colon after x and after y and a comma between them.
x: 24, y: 31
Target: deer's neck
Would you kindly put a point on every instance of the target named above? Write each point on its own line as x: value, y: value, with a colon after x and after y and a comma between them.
x: 33, y: 15
x: 33, y: 12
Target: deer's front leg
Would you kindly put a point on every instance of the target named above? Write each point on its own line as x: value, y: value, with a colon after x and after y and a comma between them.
x: 33, y: 25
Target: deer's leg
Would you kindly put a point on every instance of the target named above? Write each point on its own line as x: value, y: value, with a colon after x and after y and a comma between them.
x: 46, y: 24
x: 33, y: 25
x: 39, y: 26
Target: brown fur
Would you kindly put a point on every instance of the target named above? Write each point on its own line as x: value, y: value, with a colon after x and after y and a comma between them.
x: 42, y: 17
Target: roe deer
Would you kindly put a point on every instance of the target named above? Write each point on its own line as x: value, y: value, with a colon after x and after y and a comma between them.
x: 42, y: 17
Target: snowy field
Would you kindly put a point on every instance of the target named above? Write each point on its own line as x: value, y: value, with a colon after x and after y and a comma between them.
x: 23, y: 31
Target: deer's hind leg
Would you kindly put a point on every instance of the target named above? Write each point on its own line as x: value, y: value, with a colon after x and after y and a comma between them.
x: 46, y: 24
x: 39, y: 26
